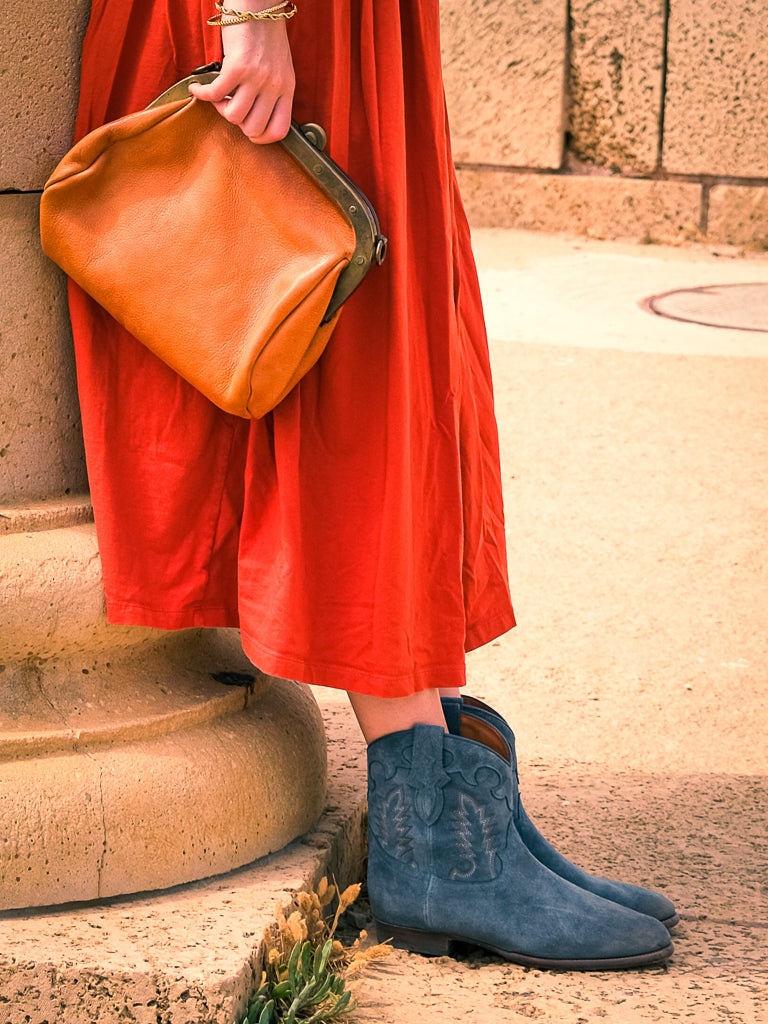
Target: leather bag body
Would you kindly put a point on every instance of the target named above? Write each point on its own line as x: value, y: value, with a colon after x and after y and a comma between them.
x: 219, y: 255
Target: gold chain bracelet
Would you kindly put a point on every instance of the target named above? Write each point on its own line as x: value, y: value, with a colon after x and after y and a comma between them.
x: 286, y: 9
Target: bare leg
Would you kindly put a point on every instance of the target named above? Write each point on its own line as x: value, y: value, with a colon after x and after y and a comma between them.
x: 378, y: 716
x: 454, y: 691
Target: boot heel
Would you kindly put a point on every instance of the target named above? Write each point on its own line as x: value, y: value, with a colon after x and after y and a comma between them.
x: 415, y: 941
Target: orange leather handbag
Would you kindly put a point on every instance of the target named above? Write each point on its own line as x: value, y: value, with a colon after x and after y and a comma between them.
x: 229, y: 260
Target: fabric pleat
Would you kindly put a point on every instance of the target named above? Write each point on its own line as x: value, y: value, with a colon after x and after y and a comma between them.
x: 356, y: 533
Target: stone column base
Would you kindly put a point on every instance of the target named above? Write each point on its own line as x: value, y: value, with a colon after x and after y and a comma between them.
x: 126, y: 761
x: 191, y: 954
x: 147, y: 772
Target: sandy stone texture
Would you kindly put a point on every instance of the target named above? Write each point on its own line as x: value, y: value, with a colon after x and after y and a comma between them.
x: 615, y: 89
x: 739, y: 214
x: 598, y: 207
x: 503, y: 68
x: 716, y: 101
x: 41, y: 449
x: 39, y: 79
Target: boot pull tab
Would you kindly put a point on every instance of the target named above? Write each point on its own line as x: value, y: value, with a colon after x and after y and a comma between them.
x: 427, y: 776
x: 452, y: 712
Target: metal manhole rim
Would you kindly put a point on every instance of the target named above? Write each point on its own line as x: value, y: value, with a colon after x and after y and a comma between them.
x: 647, y: 304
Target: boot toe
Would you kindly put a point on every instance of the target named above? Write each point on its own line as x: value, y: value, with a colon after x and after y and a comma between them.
x: 644, y: 901
x: 585, y: 931
x: 634, y: 897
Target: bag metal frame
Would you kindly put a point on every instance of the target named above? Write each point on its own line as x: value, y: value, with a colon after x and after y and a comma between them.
x: 306, y: 144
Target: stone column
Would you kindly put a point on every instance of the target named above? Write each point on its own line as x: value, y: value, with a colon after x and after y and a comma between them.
x: 130, y: 759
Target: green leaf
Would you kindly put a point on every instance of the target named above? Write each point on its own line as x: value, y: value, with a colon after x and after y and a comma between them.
x: 293, y: 961
x: 322, y: 956
x: 304, y: 998
x: 306, y: 961
x: 343, y: 1003
x: 282, y: 990
x: 256, y: 1006
x: 322, y: 991
x: 266, y: 1013
x: 326, y: 1013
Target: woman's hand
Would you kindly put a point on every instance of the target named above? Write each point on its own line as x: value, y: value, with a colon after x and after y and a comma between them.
x: 255, y: 86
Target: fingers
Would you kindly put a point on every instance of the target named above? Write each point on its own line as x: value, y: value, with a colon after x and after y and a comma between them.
x: 241, y: 103
x: 254, y: 89
x: 263, y: 115
x: 265, y: 122
x: 259, y: 117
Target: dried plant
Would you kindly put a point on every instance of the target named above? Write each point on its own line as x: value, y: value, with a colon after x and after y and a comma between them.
x: 306, y: 966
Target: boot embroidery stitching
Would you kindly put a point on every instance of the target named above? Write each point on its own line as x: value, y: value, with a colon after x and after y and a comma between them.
x: 477, y: 842
x: 425, y: 778
x: 428, y: 800
x: 491, y: 781
x: 378, y: 771
x: 392, y: 825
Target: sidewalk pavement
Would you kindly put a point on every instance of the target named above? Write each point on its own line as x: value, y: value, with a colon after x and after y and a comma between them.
x: 634, y: 457
x: 635, y: 465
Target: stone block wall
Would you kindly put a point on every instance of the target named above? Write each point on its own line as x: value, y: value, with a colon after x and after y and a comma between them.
x: 645, y: 121
x: 41, y: 451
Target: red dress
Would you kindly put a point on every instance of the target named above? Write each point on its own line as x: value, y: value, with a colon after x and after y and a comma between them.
x: 355, y: 534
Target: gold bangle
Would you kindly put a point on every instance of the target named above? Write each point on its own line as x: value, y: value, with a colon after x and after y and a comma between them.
x: 286, y: 9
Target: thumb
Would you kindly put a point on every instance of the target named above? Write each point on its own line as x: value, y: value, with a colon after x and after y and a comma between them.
x: 199, y: 91
x: 213, y: 92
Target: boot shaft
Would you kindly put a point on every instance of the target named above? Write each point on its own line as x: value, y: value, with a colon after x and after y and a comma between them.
x: 439, y: 804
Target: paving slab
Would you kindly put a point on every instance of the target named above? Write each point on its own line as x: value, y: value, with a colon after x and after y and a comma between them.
x: 674, y: 832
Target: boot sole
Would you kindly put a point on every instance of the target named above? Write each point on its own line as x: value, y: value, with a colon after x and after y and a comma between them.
x: 670, y: 922
x: 441, y: 944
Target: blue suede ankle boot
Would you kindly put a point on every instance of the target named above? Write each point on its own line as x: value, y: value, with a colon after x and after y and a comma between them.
x: 446, y: 864
x: 644, y: 901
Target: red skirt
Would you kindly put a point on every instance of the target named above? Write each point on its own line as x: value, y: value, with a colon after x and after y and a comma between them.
x: 356, y: 534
